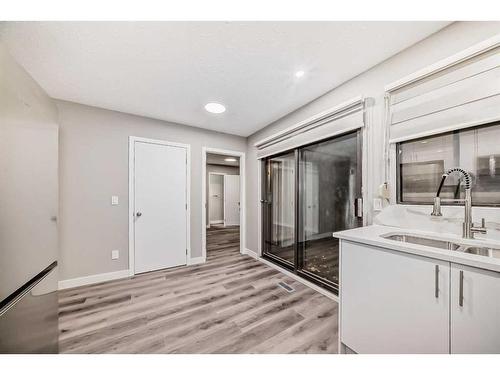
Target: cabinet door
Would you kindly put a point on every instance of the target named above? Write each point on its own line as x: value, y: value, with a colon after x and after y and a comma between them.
x: 475, y: 310
x: 389, y: 301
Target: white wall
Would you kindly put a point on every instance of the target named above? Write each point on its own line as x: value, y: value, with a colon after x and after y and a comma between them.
x: 94, y: 166
x: 28, y: 177
x: 454, y: 38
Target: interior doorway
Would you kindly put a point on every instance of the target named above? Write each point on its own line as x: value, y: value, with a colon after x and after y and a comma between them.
x: 223, y: 206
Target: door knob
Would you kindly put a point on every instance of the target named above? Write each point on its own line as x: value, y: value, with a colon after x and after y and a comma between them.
x: 138, y: 214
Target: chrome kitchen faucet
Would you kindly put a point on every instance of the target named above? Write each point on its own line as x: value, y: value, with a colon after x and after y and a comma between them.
x: 468, y: 226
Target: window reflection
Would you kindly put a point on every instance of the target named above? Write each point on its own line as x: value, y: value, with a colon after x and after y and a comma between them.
x: 329, y: 185
x: 421, y: 163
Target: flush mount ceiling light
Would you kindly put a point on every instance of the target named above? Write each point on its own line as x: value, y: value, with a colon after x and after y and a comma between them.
x: 230, y: 159
x: 215, y: 108
x: 299, y: 73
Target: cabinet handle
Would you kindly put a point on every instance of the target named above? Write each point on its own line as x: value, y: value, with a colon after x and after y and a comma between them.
x: 461, y: 289
x: 358, y: 207
x: 436, y: 283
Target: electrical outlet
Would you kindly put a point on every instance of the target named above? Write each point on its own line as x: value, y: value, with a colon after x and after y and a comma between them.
x: 114, y: 200
x: 115, y: 254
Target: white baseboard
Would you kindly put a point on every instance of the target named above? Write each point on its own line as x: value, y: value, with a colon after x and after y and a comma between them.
x: 216, y: 222
x: 197, y: 260
x: 93, y: 279
x: 317, y: 288
x: 251, y: 253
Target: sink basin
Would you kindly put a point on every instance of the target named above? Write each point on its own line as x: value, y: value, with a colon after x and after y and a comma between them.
x: 485, y: 251
x: 447, y: 245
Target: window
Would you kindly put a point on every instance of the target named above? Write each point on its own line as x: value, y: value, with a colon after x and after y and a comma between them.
x: 421, y: 162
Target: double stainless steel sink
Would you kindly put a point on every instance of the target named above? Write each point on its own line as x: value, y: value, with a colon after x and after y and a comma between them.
x: 446, y: 245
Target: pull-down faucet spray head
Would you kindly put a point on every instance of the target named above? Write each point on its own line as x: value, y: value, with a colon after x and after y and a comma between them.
x: 436, y: 209
x: 468, y: 227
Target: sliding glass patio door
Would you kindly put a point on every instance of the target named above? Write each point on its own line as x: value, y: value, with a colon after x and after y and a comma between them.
x: 330, y: 184
x: 308, y: 194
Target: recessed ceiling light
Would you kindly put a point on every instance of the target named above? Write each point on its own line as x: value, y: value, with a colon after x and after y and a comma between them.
x: 299, y: 73
x: 215, y: 108
x: 230, y: 159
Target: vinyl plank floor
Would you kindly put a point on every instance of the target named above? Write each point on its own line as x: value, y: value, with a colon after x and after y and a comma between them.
x: 230, y: 304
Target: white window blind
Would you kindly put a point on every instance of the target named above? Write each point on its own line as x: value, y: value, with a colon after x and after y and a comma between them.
x: 458, y: 92
x: 341, y: 119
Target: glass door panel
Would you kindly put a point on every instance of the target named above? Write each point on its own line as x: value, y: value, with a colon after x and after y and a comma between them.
x: 329, y: 183
x: 279, y: 208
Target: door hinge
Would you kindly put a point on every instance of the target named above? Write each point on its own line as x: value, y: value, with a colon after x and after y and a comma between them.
x: 186, y: 251
x: 186, y: 206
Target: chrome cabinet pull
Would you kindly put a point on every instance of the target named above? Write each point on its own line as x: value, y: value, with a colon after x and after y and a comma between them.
x: 436, y: 283
x: 461, y: 289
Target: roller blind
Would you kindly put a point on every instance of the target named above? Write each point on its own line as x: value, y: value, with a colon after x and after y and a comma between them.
x: 335, y: 121
x: 458, y: 92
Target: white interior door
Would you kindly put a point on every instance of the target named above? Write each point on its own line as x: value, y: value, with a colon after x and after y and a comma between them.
x: 160, y: 215
x: 231, y: 200
x: 216, y: 203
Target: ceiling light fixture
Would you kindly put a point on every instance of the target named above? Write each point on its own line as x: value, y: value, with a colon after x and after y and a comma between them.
x: 215, y: 108
x: 230, y: 159
x: 299, y: 73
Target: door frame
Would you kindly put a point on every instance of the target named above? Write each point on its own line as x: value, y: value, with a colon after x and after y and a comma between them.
x: 131, y: 195
x: 241, y: 155
x: 208, y: 202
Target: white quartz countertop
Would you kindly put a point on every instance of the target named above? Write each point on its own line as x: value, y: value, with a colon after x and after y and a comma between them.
x: 373, y: 235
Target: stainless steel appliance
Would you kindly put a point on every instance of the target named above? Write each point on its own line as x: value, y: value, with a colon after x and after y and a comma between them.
x: 28, y: 235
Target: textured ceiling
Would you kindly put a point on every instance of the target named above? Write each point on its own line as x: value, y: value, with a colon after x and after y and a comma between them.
x: 170, y: 70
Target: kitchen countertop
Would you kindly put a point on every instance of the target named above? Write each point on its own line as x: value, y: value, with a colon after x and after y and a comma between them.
x: 372, y: 235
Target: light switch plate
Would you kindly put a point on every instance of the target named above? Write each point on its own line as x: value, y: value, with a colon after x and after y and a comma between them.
x: 115, y: 254
x: 377, y: 204
x: 114, y: 200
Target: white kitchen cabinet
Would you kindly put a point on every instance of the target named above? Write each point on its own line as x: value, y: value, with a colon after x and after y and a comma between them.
x: 393, y: 302
x: 475, y: 326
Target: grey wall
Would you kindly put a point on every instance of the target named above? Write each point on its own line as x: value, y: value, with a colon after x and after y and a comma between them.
x: 28, y: 177
x: 94, y: 166
x: 455, y: 38
x: 219, y: 169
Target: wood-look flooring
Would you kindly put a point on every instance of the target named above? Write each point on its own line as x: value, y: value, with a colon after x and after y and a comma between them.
x: 230, y: 304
